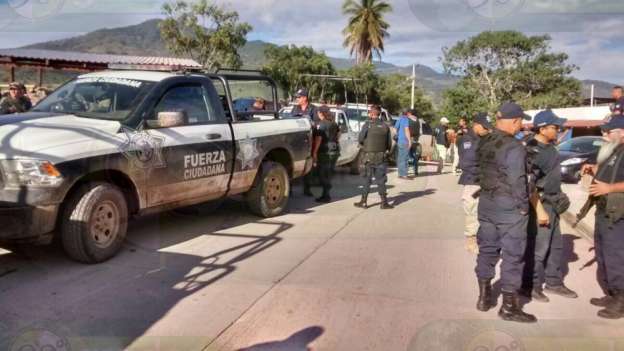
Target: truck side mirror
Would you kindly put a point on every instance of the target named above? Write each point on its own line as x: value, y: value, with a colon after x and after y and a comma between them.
x: 168, y: 120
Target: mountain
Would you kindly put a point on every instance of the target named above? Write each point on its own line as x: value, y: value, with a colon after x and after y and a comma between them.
x: 144, y: 40
x: 602, y: 89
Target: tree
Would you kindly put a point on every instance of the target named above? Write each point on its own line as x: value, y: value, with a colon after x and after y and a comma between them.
x: 396, y: 95
x: 508, y: 65
x: 366, y: 83
x: 366, y: 29
x: 288, y: 65
x: 205, y: 32
x: 463, y: 100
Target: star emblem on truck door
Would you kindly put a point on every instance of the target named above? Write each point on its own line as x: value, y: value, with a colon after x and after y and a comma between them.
x: 143, y: 150
x: 248, y: 152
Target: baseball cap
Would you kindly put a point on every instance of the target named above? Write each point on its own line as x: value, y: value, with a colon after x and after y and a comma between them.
x: 17, y: 85
x: 617, y: 122
x: 302, y: 92
x: 444, y: 120
x: 483, y: 119
x: 546, y: 118
x: 511, y: 110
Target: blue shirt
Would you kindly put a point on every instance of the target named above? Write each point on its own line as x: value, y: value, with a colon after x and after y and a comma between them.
x: 400, y: 126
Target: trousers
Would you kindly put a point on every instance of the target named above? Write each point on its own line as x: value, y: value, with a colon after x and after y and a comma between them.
x: 379, y: 172
x: 502, y: 234
x: 544, y: 252
x: 609, y: 245
x: 470, y: 205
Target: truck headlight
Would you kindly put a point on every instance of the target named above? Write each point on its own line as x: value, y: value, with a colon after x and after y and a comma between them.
x: 573, y: 161
x: 38, y: 173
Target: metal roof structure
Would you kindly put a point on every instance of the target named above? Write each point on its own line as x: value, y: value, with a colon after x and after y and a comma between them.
x: 80, y: 61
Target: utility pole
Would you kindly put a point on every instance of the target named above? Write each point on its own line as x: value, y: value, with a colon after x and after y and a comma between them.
x: 413, y: 77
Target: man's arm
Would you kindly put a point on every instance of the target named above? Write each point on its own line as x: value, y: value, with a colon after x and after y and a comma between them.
x: 363, y: 133
x: 599, y: 188
x: 517, y: 176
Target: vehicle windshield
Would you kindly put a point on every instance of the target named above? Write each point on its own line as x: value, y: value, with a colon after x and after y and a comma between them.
x: 97, y: 97
x: 359, y: 115
x: 581, y: 145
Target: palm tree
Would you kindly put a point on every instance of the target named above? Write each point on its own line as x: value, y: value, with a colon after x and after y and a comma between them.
x: 366, y: 30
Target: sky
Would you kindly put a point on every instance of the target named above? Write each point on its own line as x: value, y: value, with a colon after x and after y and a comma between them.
x: 591, y: 32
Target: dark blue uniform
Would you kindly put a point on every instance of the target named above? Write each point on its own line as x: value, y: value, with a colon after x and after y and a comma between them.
x: 375, y: 154
x: 503, y: 209
x: 609, y: 231
x: 545, y: 245
x: 468, y: 158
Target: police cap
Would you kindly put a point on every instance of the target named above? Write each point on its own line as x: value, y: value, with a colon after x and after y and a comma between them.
x: 547, y: 118
x: 511, y: 110
x: 483, y: 119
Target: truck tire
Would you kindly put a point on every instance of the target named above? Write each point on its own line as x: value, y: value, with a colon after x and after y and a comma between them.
x: 94, y: 223
x: 269, y: 195
x: 355, y: 167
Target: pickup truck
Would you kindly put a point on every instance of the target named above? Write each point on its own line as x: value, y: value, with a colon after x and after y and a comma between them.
x: 111, y: 145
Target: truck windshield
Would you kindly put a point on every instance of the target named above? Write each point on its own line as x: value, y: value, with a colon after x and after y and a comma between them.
x: 97, y: 97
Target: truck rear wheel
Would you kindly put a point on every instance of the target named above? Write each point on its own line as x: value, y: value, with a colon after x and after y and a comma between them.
x: 355, y: 167
x: 94, y: 223
x: 269, y: 195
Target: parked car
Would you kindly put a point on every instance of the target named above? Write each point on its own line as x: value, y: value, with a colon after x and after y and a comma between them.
x: 576, y: 152
x: 111, y: 145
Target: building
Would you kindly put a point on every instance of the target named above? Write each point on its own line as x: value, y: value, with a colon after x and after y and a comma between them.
x: 582, y: 121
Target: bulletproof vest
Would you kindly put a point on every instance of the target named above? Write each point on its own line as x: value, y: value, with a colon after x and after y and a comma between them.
x: 376, y: 137
x: 491, y: 152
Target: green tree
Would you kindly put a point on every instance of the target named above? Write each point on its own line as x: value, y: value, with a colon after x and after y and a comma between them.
x: 508, y: 65
x: 205, y: 32
x: 289, y: 65
x: 366, y: 29
x: 463, y: 100
x: 366, y: 83
x: 396, y: 95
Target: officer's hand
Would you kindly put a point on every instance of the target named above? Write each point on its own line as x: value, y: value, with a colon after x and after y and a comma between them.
x: 545, y: 222
x: 589, y: 169
x: 599, y: 188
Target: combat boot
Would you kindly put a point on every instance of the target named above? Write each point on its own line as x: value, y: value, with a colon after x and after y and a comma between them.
x: 561, y: 290
x: 537, y: 294
x: 384, y: 203
x: 485, y: 295
x: 511, y: 310
x: 362, y: 203
x: 615, y: 309
x: 602, y: 301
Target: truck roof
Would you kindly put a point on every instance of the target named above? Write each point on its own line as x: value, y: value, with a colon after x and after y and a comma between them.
x: 150, y: 76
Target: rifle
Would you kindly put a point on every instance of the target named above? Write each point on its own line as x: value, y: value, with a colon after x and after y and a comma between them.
x: 591, y: 202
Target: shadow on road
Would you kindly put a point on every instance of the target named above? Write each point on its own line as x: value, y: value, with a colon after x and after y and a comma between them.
x: 299, y: 341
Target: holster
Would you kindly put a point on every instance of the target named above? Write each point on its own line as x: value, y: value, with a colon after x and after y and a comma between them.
x: 560, y: 202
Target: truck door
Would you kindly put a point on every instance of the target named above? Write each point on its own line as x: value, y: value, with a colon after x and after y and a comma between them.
x: 197, y: 154
x: 348, y: 139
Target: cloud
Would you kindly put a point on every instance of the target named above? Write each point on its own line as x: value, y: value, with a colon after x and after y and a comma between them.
x: 588, y: 30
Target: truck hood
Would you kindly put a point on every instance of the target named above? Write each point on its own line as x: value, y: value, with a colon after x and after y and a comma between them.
x: 52, y: 137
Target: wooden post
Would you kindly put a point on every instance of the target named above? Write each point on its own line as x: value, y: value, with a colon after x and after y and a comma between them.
x: 12, y: 74
x: 40, y: 76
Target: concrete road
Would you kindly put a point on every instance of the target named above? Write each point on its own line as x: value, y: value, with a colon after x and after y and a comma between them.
x: 329, y: 277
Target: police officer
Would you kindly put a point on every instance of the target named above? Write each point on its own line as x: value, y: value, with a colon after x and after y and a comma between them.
x: 16, y: 101
x: 545, y: 244
x: 608, y: 191
x: 468, y: 163
x: 326, y: 150
x: 303, y: 106
x: 376, y: 140
x: 503, y: 213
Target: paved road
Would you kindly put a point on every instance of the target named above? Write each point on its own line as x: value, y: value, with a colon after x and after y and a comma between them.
x: 328, y: 277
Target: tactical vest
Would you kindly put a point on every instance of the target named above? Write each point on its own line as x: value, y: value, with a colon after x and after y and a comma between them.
x: 613, y: 203
x: 492, y: 173
x: 376, y: 137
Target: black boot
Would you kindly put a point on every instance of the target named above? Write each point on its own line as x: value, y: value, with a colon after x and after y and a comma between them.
x: 485, y: 295
x: 307, y: 192
x: 561, y: 290
x: 537, y: 294
x: 384, y: 203
x: 615, y: 309
x: 362, y: 203
x: 601, y: 301
x: 511, y: 310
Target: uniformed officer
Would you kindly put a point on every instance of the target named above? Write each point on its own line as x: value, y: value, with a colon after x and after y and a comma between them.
x: 608, y: 191
x: 503, y: 213
x: 376, y: 140
x: 545, y: 244
x: 326, y: 150
x: 468, y: 163
x: 304, y: 107
x: 16, y: 101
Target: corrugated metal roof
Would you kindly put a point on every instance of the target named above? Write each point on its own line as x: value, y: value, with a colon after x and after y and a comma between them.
x: 98, y: 58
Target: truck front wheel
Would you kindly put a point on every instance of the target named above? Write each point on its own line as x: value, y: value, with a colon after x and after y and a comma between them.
x: 269, y: 195
x: 94, y: 223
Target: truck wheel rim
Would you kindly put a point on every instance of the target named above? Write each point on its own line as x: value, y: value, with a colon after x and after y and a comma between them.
x: 105, y: 224
x: 274, y: 190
